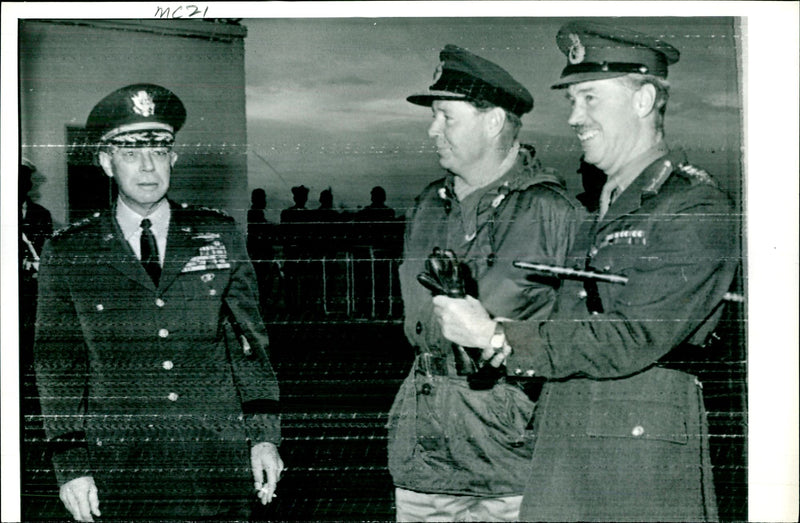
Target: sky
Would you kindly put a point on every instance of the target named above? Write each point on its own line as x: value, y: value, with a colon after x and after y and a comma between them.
x: 326, y: 98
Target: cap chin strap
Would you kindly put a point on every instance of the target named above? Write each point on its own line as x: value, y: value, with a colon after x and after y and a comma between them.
x: 610, y: 67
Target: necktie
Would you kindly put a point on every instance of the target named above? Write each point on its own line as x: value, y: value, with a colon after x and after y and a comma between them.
x: 149, y: 249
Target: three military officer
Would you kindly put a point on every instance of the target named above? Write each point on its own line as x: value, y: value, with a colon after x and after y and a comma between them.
x: 620, y: 435
x: 157, y: 394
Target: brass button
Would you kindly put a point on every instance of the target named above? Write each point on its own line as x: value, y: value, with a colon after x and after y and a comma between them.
x: 163, y: 333
x: 172, y: 396
x: 159, y: 302
x: 99, y: 307
x: 167, y: 365
x: 637, y: 431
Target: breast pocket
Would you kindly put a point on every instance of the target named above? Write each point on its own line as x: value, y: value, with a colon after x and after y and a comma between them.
x: 649, y: 406
x: 202, y: 293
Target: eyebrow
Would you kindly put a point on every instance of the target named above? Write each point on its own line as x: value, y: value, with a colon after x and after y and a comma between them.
x: 583, y: 90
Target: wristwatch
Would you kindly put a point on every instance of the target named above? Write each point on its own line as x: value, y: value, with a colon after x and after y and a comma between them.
x: 498, y: 339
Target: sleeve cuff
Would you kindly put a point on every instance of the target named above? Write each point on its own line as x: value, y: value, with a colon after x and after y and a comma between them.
x: 70, y: 464
x: 528, y: 356
x: 263, y: 428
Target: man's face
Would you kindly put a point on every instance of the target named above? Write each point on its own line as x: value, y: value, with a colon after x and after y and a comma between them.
x: 605, y: 121
x: 142, y: 174
x: 458, y: 129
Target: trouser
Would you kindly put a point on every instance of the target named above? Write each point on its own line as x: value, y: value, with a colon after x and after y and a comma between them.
x: 418, y: 506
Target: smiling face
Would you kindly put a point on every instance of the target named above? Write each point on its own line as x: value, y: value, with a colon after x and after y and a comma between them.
x: 460, y: 133
x: 142, y: 174
x: 605, y: 118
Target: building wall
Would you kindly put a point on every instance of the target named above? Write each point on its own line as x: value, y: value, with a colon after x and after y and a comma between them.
x: 66, y: 67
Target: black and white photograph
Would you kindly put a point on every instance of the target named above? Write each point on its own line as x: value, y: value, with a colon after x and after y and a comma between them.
x: 400, y: 261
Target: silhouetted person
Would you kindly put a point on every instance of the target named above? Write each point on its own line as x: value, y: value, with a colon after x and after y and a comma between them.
x: 260, y: 238
x: 377, y: 211
x: 380, y: 242
x: 301, y: 290
x: 325, y: 213
x: 297, y: 212
x: 593, y: 179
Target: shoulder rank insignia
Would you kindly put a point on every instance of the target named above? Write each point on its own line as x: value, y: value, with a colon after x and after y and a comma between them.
x: 215, y: 211
x: 76, y: 225
x: 695, y: 174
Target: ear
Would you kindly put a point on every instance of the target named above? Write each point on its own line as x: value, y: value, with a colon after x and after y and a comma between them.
x: 105, y: 162
x: 644, y: 100
x: 173, y: 158
x: 495, y: 120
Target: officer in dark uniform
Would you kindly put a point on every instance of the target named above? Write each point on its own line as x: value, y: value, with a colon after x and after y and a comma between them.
x: 620, y: 436
x: 158, y: 397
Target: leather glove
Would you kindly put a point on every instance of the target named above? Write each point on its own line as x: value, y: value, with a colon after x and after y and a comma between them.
x: 443, y: 274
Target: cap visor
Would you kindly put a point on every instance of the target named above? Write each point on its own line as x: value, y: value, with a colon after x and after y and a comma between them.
x: 427, y: 99
x: 584, y: 77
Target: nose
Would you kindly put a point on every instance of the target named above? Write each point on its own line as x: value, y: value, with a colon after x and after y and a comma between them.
x: 434, y: 129
x: 147, y: 161
x: 577, y: 115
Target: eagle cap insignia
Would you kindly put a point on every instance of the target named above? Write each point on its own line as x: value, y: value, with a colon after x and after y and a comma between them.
x: 576, y: 50
x: 143, y: 104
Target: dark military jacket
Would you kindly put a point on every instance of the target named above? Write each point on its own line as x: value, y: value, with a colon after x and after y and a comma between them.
x: 443, y: 436
x: 618, y: 436
x: 150, y: 389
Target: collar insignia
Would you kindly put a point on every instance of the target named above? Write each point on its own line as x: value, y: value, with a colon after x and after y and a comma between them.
x: 438, y: 72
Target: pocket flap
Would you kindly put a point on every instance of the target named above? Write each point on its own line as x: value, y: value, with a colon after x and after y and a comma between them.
x: 638, y: 420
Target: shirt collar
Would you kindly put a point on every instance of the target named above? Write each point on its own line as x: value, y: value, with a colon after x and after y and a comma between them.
x: 635, y: 167
x: 130, y: 221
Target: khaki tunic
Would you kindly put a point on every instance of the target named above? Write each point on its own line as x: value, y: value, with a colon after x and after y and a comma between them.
x: 619, y: 437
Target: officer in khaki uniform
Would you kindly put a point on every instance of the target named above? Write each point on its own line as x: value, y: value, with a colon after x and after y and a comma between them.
x: 620, y: 436
x: 157, y: 394
x: 456, y: 451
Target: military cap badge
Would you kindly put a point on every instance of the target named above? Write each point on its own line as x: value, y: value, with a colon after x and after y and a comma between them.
x: 576, y: 50
x: 143, y: 104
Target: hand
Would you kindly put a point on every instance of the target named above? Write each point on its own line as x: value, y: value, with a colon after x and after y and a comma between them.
x: 465, y: 322
x: 264, y: 458
x: 80, y: 498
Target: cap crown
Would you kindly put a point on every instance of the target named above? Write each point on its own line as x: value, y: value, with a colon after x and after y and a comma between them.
x: 137, y: 115
x: 462, y: 75
x: 596, y: 51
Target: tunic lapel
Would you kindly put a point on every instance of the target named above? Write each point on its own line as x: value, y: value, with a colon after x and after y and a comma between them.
x: 116, y: 252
